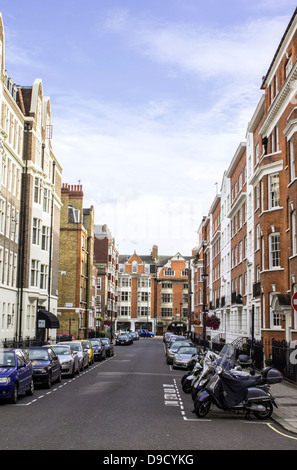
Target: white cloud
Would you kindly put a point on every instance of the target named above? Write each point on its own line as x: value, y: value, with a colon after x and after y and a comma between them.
x: 154, y: 165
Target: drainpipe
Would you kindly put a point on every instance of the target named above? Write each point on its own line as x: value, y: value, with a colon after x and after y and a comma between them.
x: 21, y: 260
x: 51, y: 238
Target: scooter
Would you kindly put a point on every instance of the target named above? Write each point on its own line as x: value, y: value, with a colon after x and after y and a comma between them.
x: 226, y: 358
x: 199, y: 369
x: 246, y: 393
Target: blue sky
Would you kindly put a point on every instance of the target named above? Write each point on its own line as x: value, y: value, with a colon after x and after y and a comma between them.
x: 149, y: 98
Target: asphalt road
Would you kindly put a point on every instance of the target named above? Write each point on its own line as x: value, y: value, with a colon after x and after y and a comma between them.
x: 132, y: 401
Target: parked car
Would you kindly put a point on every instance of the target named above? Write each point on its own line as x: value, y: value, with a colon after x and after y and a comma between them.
x: 98, y: 349
x: 124, y: 340
x: 182, y: 356
x: 172, y: 339
x: 46, y: 365
x: 83, y: 355
x: 88, y: 347
x: 16, y: 374
x: 170, y: 352
x: 166, y: 336
x: 109, y: 347
x: 64, y: 337
x: 146, y: 333
x: 134, y: 335
x: 68, y: 359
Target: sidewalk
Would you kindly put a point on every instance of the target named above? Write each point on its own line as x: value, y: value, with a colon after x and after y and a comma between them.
x: 285, y: 414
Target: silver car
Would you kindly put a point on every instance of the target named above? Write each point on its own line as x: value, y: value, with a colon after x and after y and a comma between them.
x: 170, y: 352
x: 182, y: 356
x: 82, y: 354
x: 68, y: 359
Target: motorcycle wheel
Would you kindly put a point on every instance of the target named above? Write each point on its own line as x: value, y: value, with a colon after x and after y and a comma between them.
x: 184, y: 377
x: 187, y: 386
x: 202, y: 409
x: 194, y: 392
x: 266, y: 413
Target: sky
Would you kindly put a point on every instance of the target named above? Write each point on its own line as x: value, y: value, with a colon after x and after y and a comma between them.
x: 149, y: 100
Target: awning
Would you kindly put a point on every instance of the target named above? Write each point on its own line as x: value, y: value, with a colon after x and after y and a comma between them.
x: 50, y: 319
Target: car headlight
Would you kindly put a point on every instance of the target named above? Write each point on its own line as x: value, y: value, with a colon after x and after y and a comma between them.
x: 5, y: 380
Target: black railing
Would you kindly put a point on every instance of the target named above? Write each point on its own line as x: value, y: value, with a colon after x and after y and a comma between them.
x: 22, y: 343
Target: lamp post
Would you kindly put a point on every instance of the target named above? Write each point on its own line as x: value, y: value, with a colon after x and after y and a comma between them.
x: 204, y: 277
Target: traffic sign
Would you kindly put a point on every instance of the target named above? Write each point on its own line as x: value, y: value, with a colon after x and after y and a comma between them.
x: 294, y: 301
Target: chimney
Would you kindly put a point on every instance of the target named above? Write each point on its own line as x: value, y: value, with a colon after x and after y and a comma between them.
x: 155, y: 252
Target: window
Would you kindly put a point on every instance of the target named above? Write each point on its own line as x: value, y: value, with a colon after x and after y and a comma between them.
x: 169, y: 272
x: 274, y: 191
x: 73, y: 215
x: 274, y: 250
x: 143, y: 296
x: 43, y: 276
x: 37, y: 190
x: 257, y: 236
x: 143, y: 311
x: 36, y: 231
x: 124, y: 296
x: 288, y: 66
x: 166, y: 312
x: 125, y: 311
x: 292, y: 160
x: 166, y: 298
x: 294, y: 240
x: 34, y: 272
x: 134, y: 267
x: 45, y: 238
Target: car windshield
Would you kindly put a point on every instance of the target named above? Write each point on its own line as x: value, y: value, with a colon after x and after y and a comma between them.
x: 61, y: 350
x: 76, y: 346
x: 7, y: 359
x: 123, y: 337
x: 187, y: 350
x: 178, y: 344
x: 105, y: 341
x: 38, y: 354
x: 95, y: 342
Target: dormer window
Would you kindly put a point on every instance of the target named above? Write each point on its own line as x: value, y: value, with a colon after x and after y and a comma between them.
x: 134, y: 267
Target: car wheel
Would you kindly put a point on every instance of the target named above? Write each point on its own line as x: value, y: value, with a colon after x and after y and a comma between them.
x: 14, y: 397
x: 30, y: 392
x: 49, y: 381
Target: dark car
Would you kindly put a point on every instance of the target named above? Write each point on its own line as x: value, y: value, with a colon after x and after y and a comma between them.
x: 16, y: 374
x: 109, y: 347
x: 46, y: 365
x: 98, y: 348
x: 64, y: 337
x: 124, y: 340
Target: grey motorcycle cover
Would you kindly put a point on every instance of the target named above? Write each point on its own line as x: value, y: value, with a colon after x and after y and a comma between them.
x: 233, y: 390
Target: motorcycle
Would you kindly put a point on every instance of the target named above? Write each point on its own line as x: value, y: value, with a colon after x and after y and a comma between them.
x: 195, y: 365
x: 229, y: 391
x: 225, y: 358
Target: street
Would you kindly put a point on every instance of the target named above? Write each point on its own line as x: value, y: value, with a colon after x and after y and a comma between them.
x: 132, y: 401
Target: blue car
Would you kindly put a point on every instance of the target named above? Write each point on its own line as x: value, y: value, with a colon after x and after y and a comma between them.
x: 146, y: 333
x: 16, y: 374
